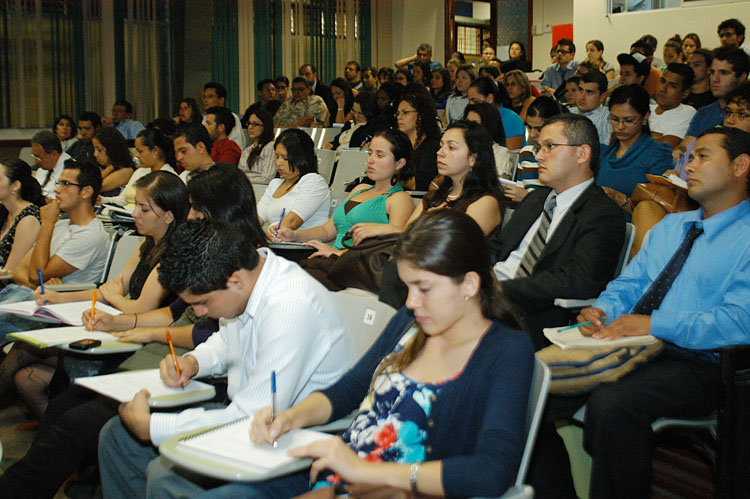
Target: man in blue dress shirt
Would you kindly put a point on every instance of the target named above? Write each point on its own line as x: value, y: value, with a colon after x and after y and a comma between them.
x: 559, y: 72
x: 702, y: 310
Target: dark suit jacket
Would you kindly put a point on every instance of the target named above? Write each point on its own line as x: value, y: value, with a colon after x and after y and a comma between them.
x: 577, y: 262
x: 324, y: 91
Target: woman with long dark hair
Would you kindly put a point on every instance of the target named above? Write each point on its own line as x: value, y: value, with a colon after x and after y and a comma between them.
x: 440, y: 87
x: 20, y: 199
x: 441, y: 395
x: 188, y: 111
x: 417, y: 118
x: 66, y: 130
x: 112, y: 153
x: 367, y: 120
x: 484, y: 89
x: 258, y: 160
x: 486, y: 115
x: 155, y: 152
x: 300, y: 194
x: 343, y: 97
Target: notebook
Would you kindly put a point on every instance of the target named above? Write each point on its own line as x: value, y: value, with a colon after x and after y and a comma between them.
x: 123, y: 387
x: 572, y: 339
x: 67, y: 313
x: 56, y: 336
x: 230, y: 444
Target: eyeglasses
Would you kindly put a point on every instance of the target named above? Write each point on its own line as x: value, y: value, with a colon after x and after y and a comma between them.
x: 36, y: 158
x: 254, y: 123
x: 625, y: 121
x: 547, y: 148
x: 404, y: 113
x: 299, y: 89
x: 65, y: 183
x: 561, y: 51
x: 739, y: 116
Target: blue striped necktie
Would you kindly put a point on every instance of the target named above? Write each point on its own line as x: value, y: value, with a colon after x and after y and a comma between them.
x: 536, y: 246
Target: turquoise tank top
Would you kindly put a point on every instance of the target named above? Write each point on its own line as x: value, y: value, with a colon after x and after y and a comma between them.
x: 371, y: 211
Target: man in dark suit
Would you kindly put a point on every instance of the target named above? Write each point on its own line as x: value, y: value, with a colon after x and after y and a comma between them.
x: 317, y: 87
x: 564, y: 239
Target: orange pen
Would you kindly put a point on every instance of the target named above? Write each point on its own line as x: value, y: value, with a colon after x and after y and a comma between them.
x: 174, y: 357
x: 93, y: 308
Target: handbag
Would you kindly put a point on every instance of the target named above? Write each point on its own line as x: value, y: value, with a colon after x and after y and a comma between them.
x: 671, y: 198
x: 362, y: 265
x: 575, y: 372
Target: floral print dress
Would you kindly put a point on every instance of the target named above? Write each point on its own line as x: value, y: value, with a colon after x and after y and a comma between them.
x: 394, y: 419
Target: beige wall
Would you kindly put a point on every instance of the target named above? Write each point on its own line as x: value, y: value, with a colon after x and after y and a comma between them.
x: 618, y: 31
x: 413, y: 22
x: 549, y: 13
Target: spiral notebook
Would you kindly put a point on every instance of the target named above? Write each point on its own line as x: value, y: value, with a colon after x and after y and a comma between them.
x: 230, y: 444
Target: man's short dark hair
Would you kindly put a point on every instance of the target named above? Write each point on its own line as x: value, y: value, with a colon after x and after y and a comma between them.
x: 222, y: 116
x: 707, y: 55
x: 48, y: 141
x: 308, y: 65
x: 688, y: 76
x: 221, y: 91
x: 355, y: 64
x: 89, y: 175
x: 301, y: 79
x: 281, y: 79
x: 740, y: 96
x: 264, y: 82
x: 736, y: 57
x: 574, y: 79
x: 568, y: 43
x: 596, y: 77
x: 91, y: 116
x: 194, y: 133
x: 373, y: 71
x: 579, y: 130
x: 734, y: 24
x: 127, y: 105
x: 201, y: 255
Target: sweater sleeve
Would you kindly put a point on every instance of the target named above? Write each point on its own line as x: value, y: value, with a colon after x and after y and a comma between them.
x: 493, y: 464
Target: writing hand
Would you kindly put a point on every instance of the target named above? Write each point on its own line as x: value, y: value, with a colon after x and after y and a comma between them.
x: 625, y: 325
x: 593, y: 315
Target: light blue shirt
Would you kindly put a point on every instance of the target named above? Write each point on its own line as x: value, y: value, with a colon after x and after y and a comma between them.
x: 707, y: 305
x: 129, y: 128
x: 554, y: 76
x: 600, y: 118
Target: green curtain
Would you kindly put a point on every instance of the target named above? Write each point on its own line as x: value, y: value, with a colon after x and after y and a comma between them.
x: 225, y: 49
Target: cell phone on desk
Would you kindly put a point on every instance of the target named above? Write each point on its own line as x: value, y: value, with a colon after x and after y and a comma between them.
x: 85, y: 344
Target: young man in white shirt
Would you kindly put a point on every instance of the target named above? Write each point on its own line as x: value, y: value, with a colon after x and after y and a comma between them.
x: 276, y: 317
x: 670, y: 118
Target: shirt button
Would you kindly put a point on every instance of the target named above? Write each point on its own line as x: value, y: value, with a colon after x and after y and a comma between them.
x: 430, y: 423
x: 433, y: 397
x: 428, y: 449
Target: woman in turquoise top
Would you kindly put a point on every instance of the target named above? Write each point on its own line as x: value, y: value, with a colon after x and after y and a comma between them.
x: 633, y: 153
x: 372, y: 209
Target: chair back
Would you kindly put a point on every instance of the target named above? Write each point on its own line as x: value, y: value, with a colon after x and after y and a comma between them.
x: 365, y: 318
x: 326, y: 158
x: 622, y: 260
x: 126, y: 246
x: 537, y: 398
x: 351, y: 164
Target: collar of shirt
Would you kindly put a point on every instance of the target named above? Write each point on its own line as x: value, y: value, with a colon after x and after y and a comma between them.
x: 595, y: 112
x: 715, y: 225
x: 264, y: 279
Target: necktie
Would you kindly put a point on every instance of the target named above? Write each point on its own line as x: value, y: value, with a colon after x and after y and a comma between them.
x: 654, y: 295
x: 536, y: 246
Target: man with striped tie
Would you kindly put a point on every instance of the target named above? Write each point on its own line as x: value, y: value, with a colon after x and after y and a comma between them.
x: 563, y: 240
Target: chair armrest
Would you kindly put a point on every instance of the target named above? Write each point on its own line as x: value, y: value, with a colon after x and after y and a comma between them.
x: 71, y: 286
x: 338, y: 426
x: 571, y: 303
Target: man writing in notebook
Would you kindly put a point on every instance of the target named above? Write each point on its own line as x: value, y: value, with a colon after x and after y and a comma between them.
x: 689, y: 286
x: 275, y: 318
x: 564, y: 238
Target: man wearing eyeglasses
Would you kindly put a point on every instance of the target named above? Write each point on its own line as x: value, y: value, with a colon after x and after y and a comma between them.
x: 558, y: 73
x: 50, y: 158
x: 303, y: 109
x: 564, y: 239
x: 69, y: 250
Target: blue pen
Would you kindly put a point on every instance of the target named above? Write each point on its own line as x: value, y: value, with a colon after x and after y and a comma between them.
x: 276, y: 234
x: 41, y: 283
x: 273, y: 402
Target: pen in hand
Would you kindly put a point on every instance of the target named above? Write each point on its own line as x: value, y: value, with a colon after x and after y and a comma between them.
x: 276, y: 233
x: 273, y: 402
x: 93, y: 309
x: 174, y: 357
x: 41, y: 284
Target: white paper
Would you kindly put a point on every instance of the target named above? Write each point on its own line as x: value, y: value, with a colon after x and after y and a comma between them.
x: 68, y: 313
x: 123, y: 386
x: 231, y: 443
x: 573, y: 339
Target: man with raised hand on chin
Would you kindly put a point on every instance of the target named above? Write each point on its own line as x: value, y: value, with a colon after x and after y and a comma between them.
x: 275, y: 317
